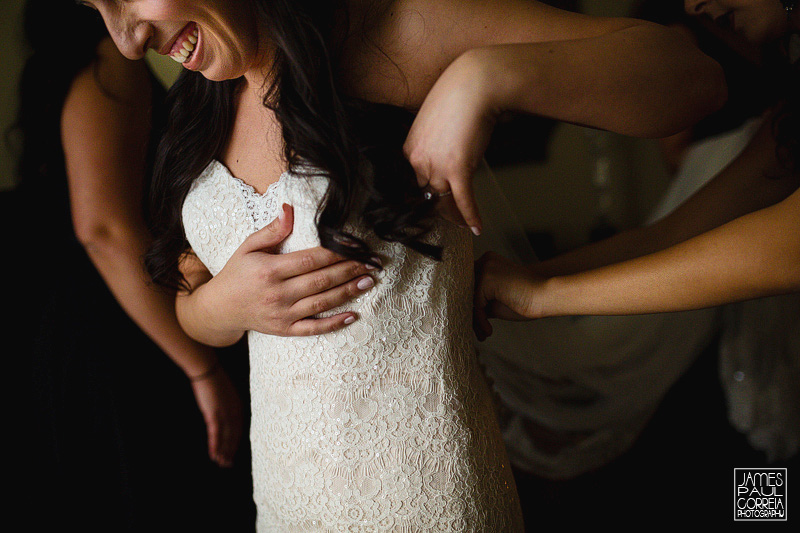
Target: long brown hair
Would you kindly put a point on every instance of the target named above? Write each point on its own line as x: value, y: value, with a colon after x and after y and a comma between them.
x: 357, y: 145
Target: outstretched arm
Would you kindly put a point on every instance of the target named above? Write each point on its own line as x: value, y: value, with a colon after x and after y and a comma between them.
x: 620, y: 74
x: 710, y: 250
x: 752, y: 256
x: 463, y: 63
x: 753, y: 181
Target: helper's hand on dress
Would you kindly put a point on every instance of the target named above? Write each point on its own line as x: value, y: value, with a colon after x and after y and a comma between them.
x: 449, y: 136
x: 505, y: 290
x: 222, y: 412
x: 277, y: 294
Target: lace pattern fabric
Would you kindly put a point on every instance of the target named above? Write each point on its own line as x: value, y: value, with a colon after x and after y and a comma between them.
x: 386, y: 425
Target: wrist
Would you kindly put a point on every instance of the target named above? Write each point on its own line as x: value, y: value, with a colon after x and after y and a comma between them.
x: 503, y: 83
x: 478, y: 68
x: 551, y: 295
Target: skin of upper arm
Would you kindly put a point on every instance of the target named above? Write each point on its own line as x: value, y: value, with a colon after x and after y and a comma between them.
x: 416, y: 40
x: 105, y: 128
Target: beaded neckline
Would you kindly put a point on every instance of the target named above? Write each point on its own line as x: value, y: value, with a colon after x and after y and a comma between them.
x: 248, y: 189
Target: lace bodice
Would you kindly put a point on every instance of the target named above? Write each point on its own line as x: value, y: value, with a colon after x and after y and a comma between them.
x: 385, y: 425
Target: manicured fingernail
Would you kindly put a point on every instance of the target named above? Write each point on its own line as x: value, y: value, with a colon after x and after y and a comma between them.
x: 349, y: 320
x: 365, y: 284
x: 476, y: 230
x: 369, y: 267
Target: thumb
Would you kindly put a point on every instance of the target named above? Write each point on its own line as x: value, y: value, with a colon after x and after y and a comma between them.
x: 271, y: 235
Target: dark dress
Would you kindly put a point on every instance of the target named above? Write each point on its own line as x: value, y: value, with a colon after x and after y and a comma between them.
x: 105, y: 430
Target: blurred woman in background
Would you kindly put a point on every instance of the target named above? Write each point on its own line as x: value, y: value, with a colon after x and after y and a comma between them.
x: 733, y: 240
x: 116, y: 443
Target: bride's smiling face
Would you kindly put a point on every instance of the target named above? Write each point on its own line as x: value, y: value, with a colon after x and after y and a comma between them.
x: 758, y: 21
x: 219, y: 38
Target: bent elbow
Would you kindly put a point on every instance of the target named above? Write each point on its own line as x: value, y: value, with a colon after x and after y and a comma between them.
x: 101, y: 238
x: 94, y: 237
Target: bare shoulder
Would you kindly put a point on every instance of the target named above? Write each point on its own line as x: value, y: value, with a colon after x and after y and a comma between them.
x: 410, y: 42
x: 111, y: 81
x: 107, y: 111
x: 456, y: 25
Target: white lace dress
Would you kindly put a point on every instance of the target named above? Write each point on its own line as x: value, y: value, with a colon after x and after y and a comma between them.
x: 386, y: 425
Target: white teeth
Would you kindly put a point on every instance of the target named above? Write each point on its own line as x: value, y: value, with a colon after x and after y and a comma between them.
x: 186, y: 49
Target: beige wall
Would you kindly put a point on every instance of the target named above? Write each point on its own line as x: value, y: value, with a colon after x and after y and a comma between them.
x: 11, y: 61
x: 164, y: 68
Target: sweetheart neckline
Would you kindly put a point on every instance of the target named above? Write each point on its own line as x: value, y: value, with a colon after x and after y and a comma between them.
x: 252, y: 190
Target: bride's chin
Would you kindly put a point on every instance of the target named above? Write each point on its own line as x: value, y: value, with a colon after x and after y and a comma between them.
x: 211, y: 73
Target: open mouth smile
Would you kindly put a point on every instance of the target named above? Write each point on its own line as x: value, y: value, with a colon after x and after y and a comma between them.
x: 183, y: 48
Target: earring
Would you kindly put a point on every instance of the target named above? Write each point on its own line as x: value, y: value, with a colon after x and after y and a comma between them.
x: 789, y: 6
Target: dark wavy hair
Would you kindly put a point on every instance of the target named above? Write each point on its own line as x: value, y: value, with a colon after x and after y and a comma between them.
x: 46, y: 79
x: 357, y: 145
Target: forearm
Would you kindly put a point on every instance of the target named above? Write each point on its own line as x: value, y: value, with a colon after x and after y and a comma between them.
x: 753, y: 256
x: 643, y: 80
x: 623, y: 246
x: 202, y: 320
x: 116, y: 253
x: 754, y: 180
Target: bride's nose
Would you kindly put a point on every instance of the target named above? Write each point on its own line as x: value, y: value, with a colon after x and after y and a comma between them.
x: 131, y: 37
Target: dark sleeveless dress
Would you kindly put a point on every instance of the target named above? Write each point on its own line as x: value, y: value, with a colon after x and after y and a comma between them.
x: 105, y: 429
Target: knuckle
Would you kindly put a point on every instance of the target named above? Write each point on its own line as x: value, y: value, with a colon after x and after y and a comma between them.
x: 408, y: 149
x: 320, y: 305
x: 351, y: 290
x: 320, y: 282
x: 356, y: 269
x: 266, y: 273
x: 307, y: 261
x: 330, y: 256
x: 417, y: 159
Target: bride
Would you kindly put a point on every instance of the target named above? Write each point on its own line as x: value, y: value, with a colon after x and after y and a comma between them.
x: 302, y: 113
